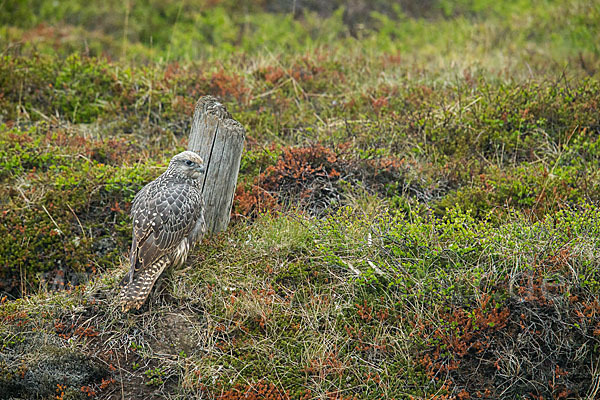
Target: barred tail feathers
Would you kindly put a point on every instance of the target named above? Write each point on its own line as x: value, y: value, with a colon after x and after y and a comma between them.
x: 134, y: 294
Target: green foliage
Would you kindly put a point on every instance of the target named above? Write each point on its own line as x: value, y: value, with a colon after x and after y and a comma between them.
x: 155, y: 376
x: 188, y: 30
x: 65, y: 212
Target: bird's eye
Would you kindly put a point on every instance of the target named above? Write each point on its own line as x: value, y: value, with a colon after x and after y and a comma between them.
x: 189, y: 163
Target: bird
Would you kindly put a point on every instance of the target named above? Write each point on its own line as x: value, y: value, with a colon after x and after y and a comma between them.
x: 168, y: 219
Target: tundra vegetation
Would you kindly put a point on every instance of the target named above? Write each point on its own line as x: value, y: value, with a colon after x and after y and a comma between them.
x: 416, y: 214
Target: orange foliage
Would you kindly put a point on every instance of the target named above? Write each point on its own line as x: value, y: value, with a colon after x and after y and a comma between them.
x: 463, y: 332
x: 88, y: 390
x: 379, y: 103
x: 254, y: 201
x: 60, y: 392
x: 66, y: 332
x: 256, y: 391
x: 106, y: 382
x: 228, y: 85
x: 271, y: 74
x: 294, y: 172
x: 311, y: 177
x: 329, y: 364
x: 364, y: 311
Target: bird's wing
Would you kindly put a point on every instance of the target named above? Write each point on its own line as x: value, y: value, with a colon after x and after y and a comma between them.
x: 162, y: 217
x: 138, y: 206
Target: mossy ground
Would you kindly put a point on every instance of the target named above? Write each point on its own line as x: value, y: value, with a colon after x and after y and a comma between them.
x: 416, y: 213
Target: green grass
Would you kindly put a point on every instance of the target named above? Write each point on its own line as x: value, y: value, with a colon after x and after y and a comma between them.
x: 416, y: 213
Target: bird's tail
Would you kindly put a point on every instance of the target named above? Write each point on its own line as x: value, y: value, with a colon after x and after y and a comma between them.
x: 135, y: 293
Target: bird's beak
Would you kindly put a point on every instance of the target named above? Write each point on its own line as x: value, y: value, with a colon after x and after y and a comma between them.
x: 200, y: 169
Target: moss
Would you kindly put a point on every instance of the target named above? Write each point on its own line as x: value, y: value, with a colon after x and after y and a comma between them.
x: 35, y: 369
x: 66, y: 215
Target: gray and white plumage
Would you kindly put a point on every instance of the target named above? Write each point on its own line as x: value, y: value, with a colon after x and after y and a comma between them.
x: 168, y: 219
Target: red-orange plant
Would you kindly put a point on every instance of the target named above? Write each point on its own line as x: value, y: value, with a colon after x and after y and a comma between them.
x: 255, y: 391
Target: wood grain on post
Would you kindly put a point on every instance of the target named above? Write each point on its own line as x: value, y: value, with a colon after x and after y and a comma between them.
x: 219, y: 140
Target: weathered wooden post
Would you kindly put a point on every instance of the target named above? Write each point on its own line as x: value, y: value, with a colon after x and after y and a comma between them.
x: 219, y: 140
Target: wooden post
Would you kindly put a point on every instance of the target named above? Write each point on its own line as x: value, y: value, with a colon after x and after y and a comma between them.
x: 219, y: 140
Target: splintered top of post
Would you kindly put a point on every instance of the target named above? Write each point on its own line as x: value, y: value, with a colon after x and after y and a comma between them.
x: 210, y: 105
x: 233, y: 126
x: 211, y: 119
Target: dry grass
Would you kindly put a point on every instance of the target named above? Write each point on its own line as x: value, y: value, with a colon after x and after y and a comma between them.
x: 358, y: 304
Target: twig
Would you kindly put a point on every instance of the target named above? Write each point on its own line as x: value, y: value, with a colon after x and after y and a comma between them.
x: 121, y: 379
x: 375, y: 268
x: 60, y: 232
x: 352, y: 267
x: 78, y: 221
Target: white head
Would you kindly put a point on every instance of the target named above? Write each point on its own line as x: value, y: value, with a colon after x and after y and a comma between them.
x: 187, y: 164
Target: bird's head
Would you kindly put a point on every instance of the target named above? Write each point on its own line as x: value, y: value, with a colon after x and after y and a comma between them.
x: 188, y: 164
